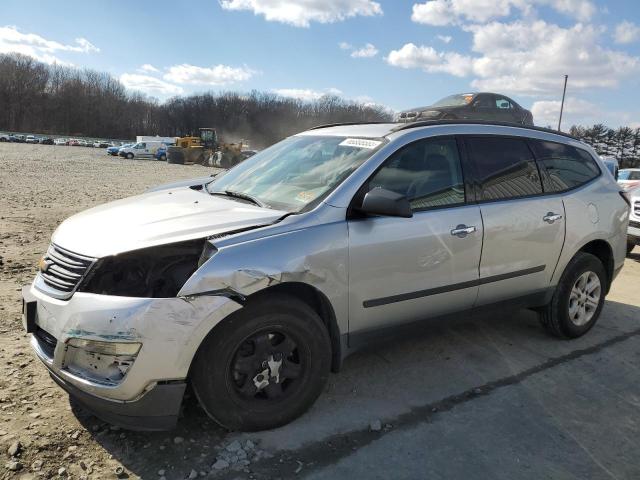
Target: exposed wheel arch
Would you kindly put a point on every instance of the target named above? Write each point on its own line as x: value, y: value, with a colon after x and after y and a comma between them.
x: 603, y: 251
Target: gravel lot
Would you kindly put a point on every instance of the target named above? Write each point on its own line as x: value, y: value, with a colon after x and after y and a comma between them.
x: 489, y: 398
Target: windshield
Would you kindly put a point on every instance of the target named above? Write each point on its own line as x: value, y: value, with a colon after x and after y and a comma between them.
x: 629, y: 175
x: 454, y: 101
x: 296, y: 172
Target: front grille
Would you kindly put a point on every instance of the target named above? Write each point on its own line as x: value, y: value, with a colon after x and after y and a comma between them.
x: 64, y: 269
x: 46, y: 341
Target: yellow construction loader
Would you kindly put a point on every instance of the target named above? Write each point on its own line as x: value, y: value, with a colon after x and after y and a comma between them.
x: 205, y: 150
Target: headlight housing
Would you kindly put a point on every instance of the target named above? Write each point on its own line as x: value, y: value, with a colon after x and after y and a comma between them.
x: 155, y: 272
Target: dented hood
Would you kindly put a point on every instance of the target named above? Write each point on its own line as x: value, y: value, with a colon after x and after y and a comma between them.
x: 157, y: 218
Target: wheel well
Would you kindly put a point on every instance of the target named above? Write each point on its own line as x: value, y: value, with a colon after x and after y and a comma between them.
x: 320, y: 304
x: 602, y: 250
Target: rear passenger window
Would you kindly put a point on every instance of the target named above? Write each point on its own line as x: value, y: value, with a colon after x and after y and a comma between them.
x: 504, y: 168
x: 566, y: 167
x: 427, y: 172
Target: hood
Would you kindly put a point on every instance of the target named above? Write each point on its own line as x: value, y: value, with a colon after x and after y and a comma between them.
x: 156, y: 218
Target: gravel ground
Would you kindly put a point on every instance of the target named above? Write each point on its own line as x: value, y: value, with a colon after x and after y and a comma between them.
x: 490, y: 398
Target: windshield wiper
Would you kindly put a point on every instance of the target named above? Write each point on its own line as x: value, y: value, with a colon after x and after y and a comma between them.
x: 242, y: 196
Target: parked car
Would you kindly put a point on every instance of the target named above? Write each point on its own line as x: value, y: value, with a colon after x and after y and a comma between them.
x: 46, y: 141
x: 113, y: 150
x: 253, y: 288
x: 60, y: 141
x: 633, y: 232
x: 19, y: 138
x: 73, y: 142
x: 492, y: 107
x: 161, y: 154
x: 4, y: 137
x: 141, y: 150
x: 629, y: 178
x: 30, y: 139
x: 612, y: 165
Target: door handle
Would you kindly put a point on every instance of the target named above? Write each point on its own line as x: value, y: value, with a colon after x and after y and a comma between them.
x: 551, y: 217
x: 462, y: 231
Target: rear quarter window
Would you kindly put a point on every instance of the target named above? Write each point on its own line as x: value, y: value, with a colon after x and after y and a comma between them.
x: 565, y: 167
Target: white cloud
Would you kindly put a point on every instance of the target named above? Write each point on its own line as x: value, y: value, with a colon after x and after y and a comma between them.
x: 217, y: 75
x: 368, y: 51
x: 532, y: 57
x: 453, y: 12
x: 527, y: 58
x: 147, y: 67
x: 301, y: 13
x: 444, y: 38
x: 345, y: 46
x: 576, y: 111
x: 626, y: 32
x: 149, y: 85
x: 430, y: 60
x: 306, y: 94
x: 14, y: 41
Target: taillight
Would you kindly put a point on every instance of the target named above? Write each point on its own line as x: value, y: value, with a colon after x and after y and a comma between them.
x: 626, y: 197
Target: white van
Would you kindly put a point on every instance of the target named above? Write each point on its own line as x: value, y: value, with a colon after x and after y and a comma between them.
x: 141, y: 150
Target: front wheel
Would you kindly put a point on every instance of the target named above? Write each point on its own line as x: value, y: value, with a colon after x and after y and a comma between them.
x: 578, y: 299
x: 264, y: 366
x: 130, y: 156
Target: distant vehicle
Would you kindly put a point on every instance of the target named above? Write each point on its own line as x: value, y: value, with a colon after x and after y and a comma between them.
x: 46, y: 141
x: 633, y: 231
x: 101, y: 144
x: 19, y: 138
x: 612, y: 165
x: 161, y: 154
x: 73, y: 142
x: 491, y: 107
x: 84, y: 143
x: 629, y: 178
x: 30, y: 139
x: 113, y: 150
x: 5, y: 138
x: 141, y: 150
x: 60, y: 141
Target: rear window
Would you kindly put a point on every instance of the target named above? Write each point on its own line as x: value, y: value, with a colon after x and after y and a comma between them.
x: 566, y: 167
x: 504, y: 168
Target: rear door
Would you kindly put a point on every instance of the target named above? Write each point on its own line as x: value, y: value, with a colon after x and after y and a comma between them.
x: 406, y: 269
x: 523, y: 228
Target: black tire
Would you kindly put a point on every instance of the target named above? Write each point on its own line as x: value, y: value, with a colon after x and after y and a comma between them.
x: 630, y: 246
x: 231, y: 398
x: 555, y: 316
x: 130, y: 156
x: 163, y: 158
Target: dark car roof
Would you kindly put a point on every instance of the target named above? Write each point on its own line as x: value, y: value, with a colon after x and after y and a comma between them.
x: 473, y: 94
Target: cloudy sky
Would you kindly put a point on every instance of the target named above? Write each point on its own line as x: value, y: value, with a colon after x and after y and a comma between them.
x: 398, y: 53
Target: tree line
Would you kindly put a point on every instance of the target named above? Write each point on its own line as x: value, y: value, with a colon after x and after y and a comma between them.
x: 622, y: 143
x: 60, y: 100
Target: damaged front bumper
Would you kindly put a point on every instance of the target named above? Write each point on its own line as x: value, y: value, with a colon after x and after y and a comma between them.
x: 124, y: 359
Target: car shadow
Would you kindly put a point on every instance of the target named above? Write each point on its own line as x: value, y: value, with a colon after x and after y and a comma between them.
x: 383, y: 383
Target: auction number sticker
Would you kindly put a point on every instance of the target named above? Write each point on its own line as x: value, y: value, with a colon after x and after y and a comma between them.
x: 360, y: 143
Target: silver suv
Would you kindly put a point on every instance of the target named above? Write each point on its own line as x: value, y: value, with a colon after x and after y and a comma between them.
x: 255, y: 286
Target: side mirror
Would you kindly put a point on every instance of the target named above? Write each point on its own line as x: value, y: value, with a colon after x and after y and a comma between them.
x: 386, y: 203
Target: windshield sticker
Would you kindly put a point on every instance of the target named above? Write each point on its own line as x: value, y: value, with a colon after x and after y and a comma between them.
x: 305, y: 196
x: 360, y: 143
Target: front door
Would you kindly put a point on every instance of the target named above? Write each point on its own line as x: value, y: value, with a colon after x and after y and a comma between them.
x: 523, y: 229
x: 406, y: 269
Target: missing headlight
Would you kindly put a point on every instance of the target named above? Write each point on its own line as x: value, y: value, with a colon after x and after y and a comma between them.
x: 155, y: 272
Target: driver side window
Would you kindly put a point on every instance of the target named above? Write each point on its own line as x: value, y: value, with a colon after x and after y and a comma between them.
x: 427, y: 172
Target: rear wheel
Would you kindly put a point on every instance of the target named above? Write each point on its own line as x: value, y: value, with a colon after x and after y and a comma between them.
x: 130, y: 156
x: 264, y: 366
x: 578, y: 299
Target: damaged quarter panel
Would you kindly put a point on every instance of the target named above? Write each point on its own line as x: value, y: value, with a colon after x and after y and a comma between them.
x: 315, y: 255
